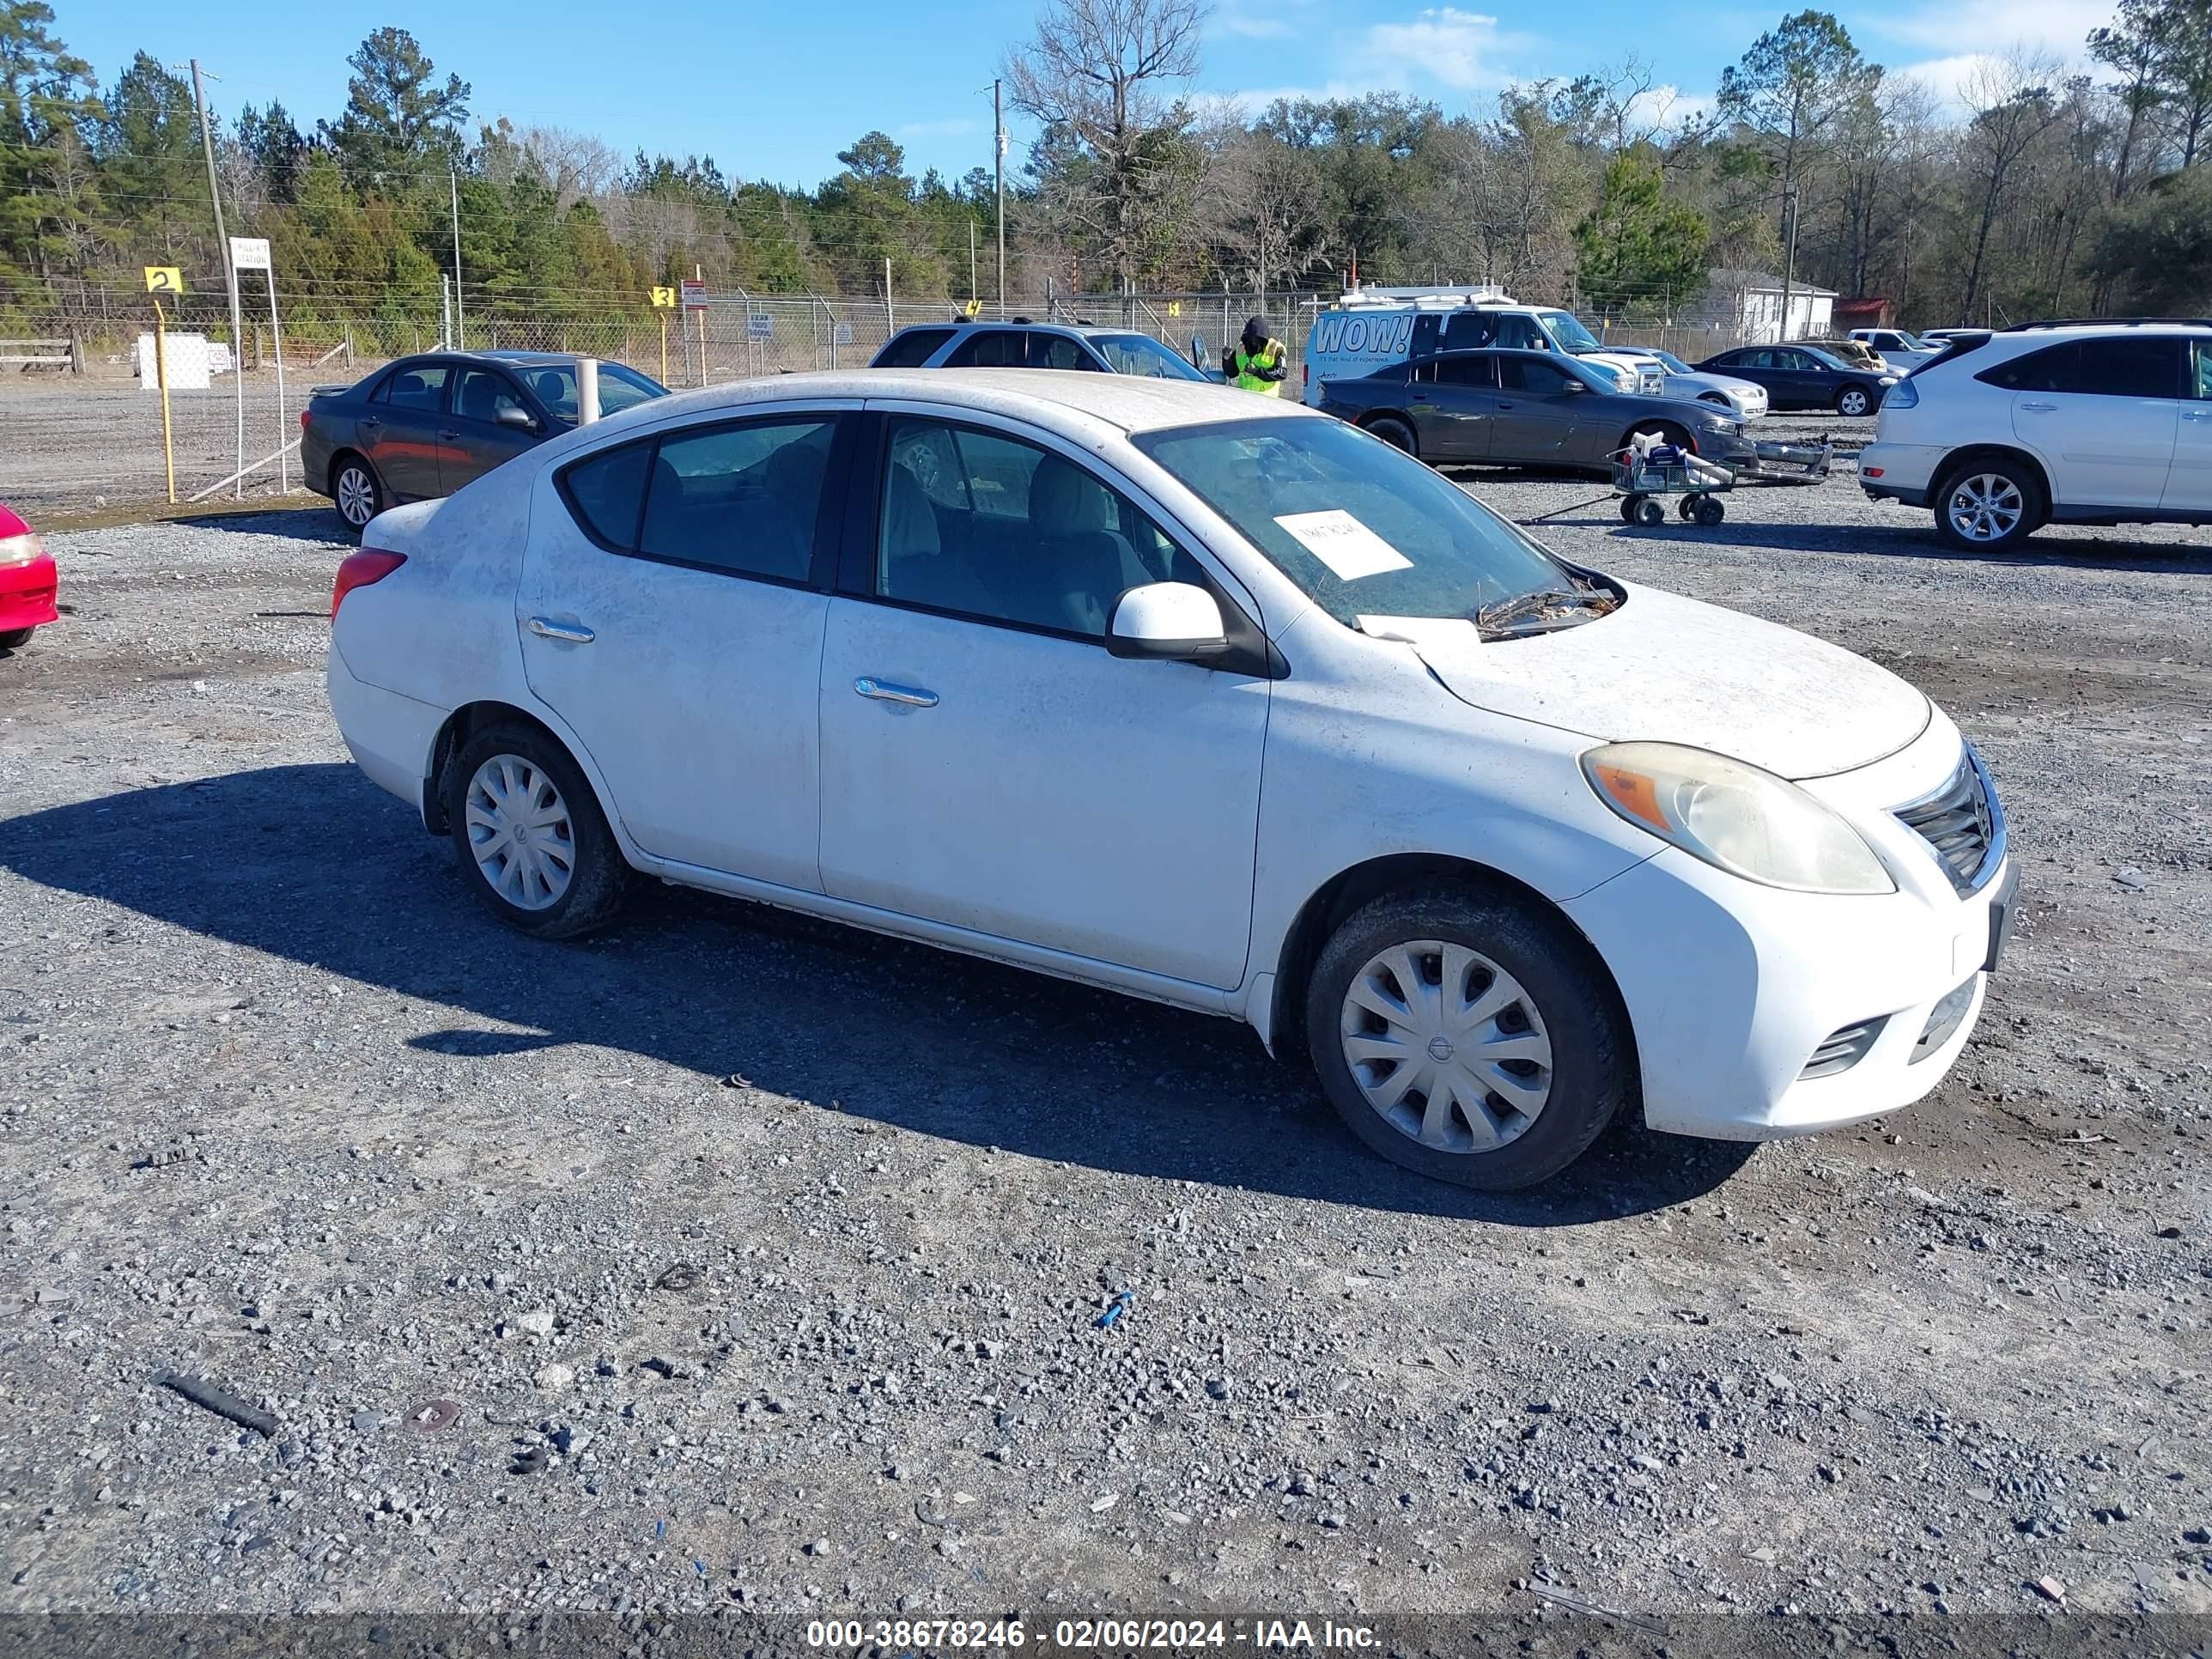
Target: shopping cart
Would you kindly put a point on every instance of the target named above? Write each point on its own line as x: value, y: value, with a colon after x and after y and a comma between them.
x: 1640, y: 478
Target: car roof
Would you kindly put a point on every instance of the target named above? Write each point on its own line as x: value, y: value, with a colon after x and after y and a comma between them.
x: 976, y: 324
x: 1073, y: 401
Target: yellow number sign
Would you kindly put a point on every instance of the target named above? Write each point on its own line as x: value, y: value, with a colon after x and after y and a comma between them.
x: 164, y: 279
x: 1175, y: 307
x: 973, y: 308
x: 664, y: 299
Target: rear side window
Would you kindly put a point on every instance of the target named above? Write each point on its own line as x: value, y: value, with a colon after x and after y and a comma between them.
x: 1533, y: 375
x: 1057, y: 351
x: 422, y: 387
x: 1465, y: 371
x: 606, y: 493
x: 2201, y: 390
x: 2138, y: 368
x: 912, y: 349
x: 992, y: 348
x: 742, y: 499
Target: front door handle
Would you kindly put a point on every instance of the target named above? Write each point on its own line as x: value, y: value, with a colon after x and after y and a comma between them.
x: 448, y: 433
x: 1505, y: 405
x: 2196, y: 414
x: 2037, y: 409
x: 882, y: 692
x: 574, y: 633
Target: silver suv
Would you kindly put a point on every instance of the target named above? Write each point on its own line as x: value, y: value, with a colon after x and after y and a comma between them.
x: 1018, y: 343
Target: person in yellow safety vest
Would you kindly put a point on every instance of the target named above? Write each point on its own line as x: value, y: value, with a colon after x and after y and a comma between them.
x: 1257, y: 362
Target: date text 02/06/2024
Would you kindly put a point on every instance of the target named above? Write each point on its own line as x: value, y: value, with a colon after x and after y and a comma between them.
x: 1078, y: 1635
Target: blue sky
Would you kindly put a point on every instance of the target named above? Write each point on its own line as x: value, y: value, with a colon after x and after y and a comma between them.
x: 774, y: 91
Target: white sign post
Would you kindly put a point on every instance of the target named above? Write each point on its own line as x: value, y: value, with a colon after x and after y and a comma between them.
x: 252, y: 253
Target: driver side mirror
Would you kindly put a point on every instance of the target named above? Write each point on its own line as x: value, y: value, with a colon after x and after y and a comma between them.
x: 516, y: 415
x: 1170, y: 622
x: 1198, y: 359
x: 1575, y: 385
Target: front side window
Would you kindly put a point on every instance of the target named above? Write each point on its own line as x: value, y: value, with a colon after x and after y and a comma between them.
x: 741, y: 498
x: 990, y: 348
x: 554, y: 385
x: 481, y: 393
x: 2202, y: 380
x: 1057, y: 351
x: 1362, y: 528
x: 1533, y: 375
x: 1140, y: 353
x: 989, y: 526
x: 1521, y: 334
x: 421, y: 387
x: 911, y: 348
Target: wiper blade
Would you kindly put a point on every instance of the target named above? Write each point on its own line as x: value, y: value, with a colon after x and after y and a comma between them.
x: 1543, y: 601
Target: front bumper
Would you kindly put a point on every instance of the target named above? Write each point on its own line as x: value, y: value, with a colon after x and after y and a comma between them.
x: 29, y: 593
x: 1731, y: 988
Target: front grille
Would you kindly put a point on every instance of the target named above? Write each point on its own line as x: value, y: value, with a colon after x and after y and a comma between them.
x: 1842, y: 1049
x: 1962, y: 823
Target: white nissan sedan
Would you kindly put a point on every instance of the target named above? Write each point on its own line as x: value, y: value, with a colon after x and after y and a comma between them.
x: 1213, y: 701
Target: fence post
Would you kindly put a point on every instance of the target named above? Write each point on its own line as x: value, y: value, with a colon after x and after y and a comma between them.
x: 76, y: 352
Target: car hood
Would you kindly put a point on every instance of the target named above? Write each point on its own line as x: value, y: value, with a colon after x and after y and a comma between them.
x: 1674, y: 670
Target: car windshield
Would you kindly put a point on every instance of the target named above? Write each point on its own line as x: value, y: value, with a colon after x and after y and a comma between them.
x: 1674, y: 365
x: 1140, y: 353
x: 1912, y: 341
x: 1825, y: 359
x: 1567, y: 330
x: 620, y: 388
x: 1365, y: 530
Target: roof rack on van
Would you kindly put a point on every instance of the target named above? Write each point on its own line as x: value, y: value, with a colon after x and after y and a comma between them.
x: 1481, y: 293
x: 2109, y: 322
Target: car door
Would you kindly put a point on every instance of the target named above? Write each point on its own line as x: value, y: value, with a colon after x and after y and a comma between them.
x: 1453, y: 399
x: 1756, y: 365
x: 2101, y: 414
x: 986, y: 764
x: 476, y: 439
x: 1803, y: 380
x: 2189, y: 482
x: 1538, y: 419
x: 400, y: 430
x: 671, y: 608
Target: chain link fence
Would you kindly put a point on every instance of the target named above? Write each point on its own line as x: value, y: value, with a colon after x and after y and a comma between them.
x: 80, y: 421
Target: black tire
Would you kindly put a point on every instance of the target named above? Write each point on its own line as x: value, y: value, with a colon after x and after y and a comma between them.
x: 1854, y: 401
x: 1651, y: 514
x: 1628, y: 506
x: 14, y: 639
x: 1396, y: 434
x: 1998, y: 480
x: 1592, y: 1072
x: 1710, y: 511
x: 1688, y: 508
x: 353, y: 485
x: 598, y: 875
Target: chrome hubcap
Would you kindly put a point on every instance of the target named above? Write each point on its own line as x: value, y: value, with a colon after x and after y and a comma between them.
x: 519, y: 833
x: 356, y: 497
x: 1447, y: 1047
x: 1985, y: 508
x: 1854, y: 403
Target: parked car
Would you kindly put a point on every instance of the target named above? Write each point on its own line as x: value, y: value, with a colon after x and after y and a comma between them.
x: 2097, y: 423
x: 424, y: 426
x: 1746, y: 399
x: 1373, y: 330
x: 28, y: 582
x: 1020, y: 343
x: 1524, y: 408
x: 1902, y: 351
x: 1529, y: 851
x: 1804, y: 377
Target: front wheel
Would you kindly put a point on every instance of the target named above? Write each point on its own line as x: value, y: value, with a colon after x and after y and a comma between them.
x: 14, y: 639
x: 532, y: 841
x: 1470, y: 1036
x: 1853, y: 401
x: 359, y: 496
x: 1986, y: 506
x: 1396, y: 434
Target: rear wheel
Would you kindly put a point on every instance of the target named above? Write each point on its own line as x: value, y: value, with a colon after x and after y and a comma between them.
x: 1853, y: 401
x: 1629, y: 504
x: 1989, y: 504
x: 1710, y: 512
x: 1651, y: 514
x: 532, y: 841
x: 1396, y: 434
x: 1468, y: 1035
x: 355, y: 489
x: 14, y: 639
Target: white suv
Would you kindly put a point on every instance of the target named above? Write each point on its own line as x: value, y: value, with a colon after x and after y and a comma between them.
x: 2087, y: 423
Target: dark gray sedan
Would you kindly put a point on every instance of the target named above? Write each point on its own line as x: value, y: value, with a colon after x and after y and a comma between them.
x: 425, y: 426
x: 1525, y: 409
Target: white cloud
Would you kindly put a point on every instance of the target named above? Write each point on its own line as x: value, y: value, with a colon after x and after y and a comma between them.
x: 2057, y: 25
x: 1445, y: 45
x: 948, y: 129
x: 1251, y: 27
x: 1669, y: 106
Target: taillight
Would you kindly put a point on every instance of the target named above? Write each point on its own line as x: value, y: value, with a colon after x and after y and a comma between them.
x: 1305, y: 374
x: 371, y: 564
x: 303, y: 420
x: 21, y: 550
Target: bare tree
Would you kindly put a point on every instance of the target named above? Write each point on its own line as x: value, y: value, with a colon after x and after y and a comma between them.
x: 1103, y: 79
x: 1261, y: 203
x: 2010, y: 103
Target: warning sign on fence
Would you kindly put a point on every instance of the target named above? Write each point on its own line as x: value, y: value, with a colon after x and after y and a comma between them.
x: 759, y: 327
x: 694, y: 296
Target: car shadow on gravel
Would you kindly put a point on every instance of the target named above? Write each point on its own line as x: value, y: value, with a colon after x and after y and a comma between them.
x: 2106, y: 552
x: 314, y: 865
x: 303, y: 524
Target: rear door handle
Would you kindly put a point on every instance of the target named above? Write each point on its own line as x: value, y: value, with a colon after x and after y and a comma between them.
x: 574, y: 633
x: 882, y: 692
x: 372, y: 420
x: 2196, y: 414
x: 447, y: 434
x: 2037, y: 409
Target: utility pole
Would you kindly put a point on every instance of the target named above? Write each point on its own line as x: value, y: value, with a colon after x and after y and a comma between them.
x: 998, y: 127
x: 1789, y: 259
x: 460, y: 325
x: 230, y: 277
x: 972, y: 294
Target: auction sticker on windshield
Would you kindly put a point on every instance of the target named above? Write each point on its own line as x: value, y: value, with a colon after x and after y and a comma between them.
x: 1347, y: 546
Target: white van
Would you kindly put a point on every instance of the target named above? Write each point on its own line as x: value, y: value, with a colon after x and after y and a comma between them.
x: 1372, y: 328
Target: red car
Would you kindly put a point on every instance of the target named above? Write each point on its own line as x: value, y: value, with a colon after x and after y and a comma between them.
x: 27, y: 582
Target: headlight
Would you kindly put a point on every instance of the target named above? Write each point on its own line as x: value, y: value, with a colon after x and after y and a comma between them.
x: 1889, y: 380
x: 1736, y: 817
x: 19, y: 550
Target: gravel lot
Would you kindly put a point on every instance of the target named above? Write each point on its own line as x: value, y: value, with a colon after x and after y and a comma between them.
x: 762, y: 1261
